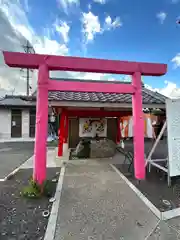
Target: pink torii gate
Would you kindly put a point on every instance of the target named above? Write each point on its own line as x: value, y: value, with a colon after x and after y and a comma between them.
x: 46, y: 63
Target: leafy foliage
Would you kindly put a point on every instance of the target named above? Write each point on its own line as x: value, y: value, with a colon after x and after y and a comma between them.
x: 34, y: 190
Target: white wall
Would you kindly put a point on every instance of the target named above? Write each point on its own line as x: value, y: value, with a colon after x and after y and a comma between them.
x: 25, y: 123
x: 5, y: 123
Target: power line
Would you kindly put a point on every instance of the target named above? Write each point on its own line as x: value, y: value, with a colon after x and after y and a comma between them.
x: 28, y: 48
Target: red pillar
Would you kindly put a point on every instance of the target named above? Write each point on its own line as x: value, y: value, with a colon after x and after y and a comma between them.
x: 66, y: 129
x: 61, y: 134
x: 138, y: 127
x: 39, y: 170
x: 118, y: 135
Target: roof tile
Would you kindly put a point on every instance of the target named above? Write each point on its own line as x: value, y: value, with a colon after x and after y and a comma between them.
x: 149, y: 97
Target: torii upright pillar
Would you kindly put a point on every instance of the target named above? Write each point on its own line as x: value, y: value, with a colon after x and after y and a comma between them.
x: 138, y: 127
x: 66, y: 130
x: 61, y: 133
x: 39, y: 173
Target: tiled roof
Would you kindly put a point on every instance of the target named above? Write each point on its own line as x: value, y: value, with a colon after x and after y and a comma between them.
x: 16, y: 100
x: 149, y: 97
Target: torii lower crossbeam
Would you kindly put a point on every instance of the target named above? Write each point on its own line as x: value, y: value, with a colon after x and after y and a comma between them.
x: 45, y: 63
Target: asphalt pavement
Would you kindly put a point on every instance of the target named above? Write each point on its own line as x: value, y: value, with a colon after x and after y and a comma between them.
x: 12, y: 155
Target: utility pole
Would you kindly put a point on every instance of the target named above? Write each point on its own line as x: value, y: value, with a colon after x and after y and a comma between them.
x: 28, y: 48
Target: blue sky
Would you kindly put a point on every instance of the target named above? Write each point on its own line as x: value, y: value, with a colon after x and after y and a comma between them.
x: 142, y: 37
x: 112, y: 29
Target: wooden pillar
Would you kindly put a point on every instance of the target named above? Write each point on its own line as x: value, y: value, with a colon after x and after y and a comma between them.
x: 39, y: 171
x: 66, y: 129
x: 118, y: 135
x: 61, y: 134
x: 138, y: 127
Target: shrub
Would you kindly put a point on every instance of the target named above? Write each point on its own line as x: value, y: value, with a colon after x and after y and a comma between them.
x: 34, y: 190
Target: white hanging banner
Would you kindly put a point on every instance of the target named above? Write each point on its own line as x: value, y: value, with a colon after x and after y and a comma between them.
x: 173, y: 129
x: 126, y: 126
x: 90, y: 127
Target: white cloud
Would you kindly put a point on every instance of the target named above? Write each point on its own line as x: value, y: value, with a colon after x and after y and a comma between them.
x: 26, y: 5
x: 170, y: 89
x: 63, y: 29
x: 48, y: 46
x: 16, y: 16
x: 100, y: 1
x: 93, y: 76
x: 66, y: 4
x: 15, y: 30
x: 92, y: 26
x: 174, y: 1
x: 161, y: 16
x: 111, y: 24
x: 81, y: 75
x: 89, y: 6
x: 176, y: 60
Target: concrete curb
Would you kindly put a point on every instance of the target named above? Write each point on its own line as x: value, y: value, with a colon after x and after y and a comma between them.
x: 170, y: 214
x: 51, y: 227
x: 167, y: 215
x: 14, y: 140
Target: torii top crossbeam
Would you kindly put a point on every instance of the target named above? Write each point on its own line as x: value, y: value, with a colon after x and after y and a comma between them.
x: 45, y: 63
x: 65, y: 63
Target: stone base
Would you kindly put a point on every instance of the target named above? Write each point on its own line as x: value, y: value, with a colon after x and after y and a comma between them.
x: 103, y: 148
x: 65, y: 148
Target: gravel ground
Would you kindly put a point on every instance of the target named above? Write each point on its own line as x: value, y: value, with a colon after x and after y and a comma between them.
x: 21, y: 218
x: 155, y: 187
